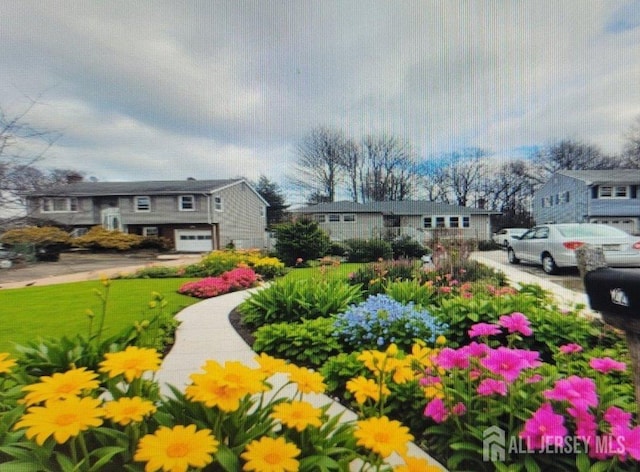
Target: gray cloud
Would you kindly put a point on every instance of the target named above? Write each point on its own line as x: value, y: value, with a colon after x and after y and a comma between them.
x: 222, y: 88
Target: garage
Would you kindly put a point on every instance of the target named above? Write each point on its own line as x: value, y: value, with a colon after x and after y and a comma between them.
x: 193, y: 240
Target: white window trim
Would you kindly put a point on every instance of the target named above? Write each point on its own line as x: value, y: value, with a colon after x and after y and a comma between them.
x: 181, y: 203
x: 70, y: 202
x: 136, y: 207
x: 145, y: 231
x: 218, y: 205
x: 613, y: 190
x: 463, y: 221
x: 320, y: 218
x: 351, y: 215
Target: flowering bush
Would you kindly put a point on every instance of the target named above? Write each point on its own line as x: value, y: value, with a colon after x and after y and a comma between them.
x: 380, y: 321
x: 233, y: 280
x: 552, y: 420
x: 227, y: 419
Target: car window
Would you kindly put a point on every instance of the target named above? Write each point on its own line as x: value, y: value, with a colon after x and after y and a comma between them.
x: 542, y: 233
x: 584, y: 231
x: 529, y: 234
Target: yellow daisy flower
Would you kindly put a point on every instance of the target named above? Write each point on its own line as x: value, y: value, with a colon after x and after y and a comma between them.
x: 414, y: 464
x: 297, y: 415
x: 132, y: 362
x: 383, y: 436
x: 434, y: 390
x: 72, y: 383
x: 441, y: 340
x: 224, y: 387
x: 177, y: 449
x: 61, y: 418
x: 271, y: 455
x: 127, y: 410
x: 363, y: 388
x: 270, y: 365
x: 6, y: 363
x: 307, y: 380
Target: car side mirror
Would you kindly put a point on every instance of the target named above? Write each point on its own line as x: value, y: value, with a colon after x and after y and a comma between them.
x: 614, y: 292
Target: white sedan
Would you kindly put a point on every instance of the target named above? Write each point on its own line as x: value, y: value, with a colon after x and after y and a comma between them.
x: 554, y: 245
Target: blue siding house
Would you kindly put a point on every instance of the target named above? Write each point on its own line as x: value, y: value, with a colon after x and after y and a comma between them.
x: 591, y: 196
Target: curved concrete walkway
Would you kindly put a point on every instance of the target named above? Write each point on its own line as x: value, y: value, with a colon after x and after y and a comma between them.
x: 205, y: 333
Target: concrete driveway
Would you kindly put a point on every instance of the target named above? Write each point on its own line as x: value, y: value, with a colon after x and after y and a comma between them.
x: 79, y: 266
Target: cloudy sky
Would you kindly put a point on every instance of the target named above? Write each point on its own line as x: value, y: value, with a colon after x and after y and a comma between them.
x: 219, y: 89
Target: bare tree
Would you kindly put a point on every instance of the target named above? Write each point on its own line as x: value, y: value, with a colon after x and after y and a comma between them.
x: 631, y: 151
x: 319, y: 164
x: 568, y: 154
x: 387, y: 170
x: 22, y: 147
x: 509, y: 191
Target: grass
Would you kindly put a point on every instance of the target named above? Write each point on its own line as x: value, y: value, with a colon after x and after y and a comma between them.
x: 58, y: 310
x: 341, y: 271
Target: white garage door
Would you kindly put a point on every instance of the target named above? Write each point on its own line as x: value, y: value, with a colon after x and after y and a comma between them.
x: 193, y: 240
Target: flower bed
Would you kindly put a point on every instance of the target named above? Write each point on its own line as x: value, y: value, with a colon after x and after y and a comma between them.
x: 230, y: 281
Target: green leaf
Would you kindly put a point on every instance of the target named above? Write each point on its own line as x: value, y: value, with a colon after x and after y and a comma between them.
x: 582, y: 462
x: 227, y: 459
x: 600, y: 466
x: 530, y: 464
x: 20, y: 466
x: 105, y: 454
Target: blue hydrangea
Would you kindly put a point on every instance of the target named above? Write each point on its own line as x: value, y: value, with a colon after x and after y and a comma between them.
x: 381, y: 320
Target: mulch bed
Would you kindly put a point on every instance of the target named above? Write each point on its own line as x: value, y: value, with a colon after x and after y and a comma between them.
x: 244, y: 332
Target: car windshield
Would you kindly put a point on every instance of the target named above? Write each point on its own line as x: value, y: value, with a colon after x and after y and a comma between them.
x: 590, y: 231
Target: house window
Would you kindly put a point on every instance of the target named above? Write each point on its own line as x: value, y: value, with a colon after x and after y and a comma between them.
x: 320, y: 218
x: 609, y: 191
x: 77, y: 232
x: 440, y: 222
x: 465, y: 222
x: 564, y: 197
x: 333, y: 217
x: 142, y: 203
x: 150, y: 231
x: 454, y: 222
x: 427, y: 222
x: 59, y: 205
x: 349, y: 218
x: 187, y: 203
x: 217, y: 203
x: 263, y: 212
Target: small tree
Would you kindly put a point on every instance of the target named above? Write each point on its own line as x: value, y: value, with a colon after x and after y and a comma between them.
x: 302, y: 239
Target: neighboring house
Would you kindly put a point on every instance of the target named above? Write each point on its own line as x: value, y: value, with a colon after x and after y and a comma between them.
x: 594, y: 196
x: 417, y: 219
x: 197, y: 215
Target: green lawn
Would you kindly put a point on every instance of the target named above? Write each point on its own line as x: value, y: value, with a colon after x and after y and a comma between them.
x: 341, y: 271
x: 57, y: 310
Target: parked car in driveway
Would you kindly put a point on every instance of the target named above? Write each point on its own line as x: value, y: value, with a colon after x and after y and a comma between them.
x: 503, y: 236
x: 554, y: 245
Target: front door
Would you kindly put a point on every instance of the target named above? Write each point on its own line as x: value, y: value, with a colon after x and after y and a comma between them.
x: 111, y: 219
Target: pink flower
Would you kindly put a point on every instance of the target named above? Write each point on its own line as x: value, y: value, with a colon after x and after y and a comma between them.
x: 483, y: 329
x: 516, y: 323
x: 605, y: 365
x: 474, y: 374
x: 570, y: 348
x: 436, y: 410
x: 508, y: 363
x: 459, y: 409
x: 426, y: 381
x: 586, y: 425
x: 579, y: 392
x: 619, y: 420
x: 445, y: 289
x: 632, y: 443
x: 490, y: 386
x: 535, y: 378
x: 544, y: 427
x: 449, y: 358
x: 475, y: 349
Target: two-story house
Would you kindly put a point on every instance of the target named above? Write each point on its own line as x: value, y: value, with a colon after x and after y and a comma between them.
x: 197, y: 215
x: 591, y: 196
x: 415, y: 218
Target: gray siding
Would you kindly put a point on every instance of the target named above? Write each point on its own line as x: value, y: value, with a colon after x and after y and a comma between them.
x: 557, y: 210
x: 243, y: 219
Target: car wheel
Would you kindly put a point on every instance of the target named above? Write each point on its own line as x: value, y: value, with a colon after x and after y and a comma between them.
x: 549, y: 265
x: 505, y: 244
x: 511, y: 256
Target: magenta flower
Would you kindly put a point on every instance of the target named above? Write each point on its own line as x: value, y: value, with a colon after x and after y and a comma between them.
x: 429, y: 380
x: 619, y: 420
x: 516, y: 323
x: 535, y: 378
x: 530, y: 358
x: 483, y: 329
x: 570, y: 348
x: 490, y: 386
x: 507, y: 363
x: 586, y: 425
x: 459, y: 409
x: 605, y: 365
x: 449, y: 358
x: 475, y: 349
x: 632, y: 443
x: 436, y: 410
x: 543, y: 428
x: 579, y: 392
